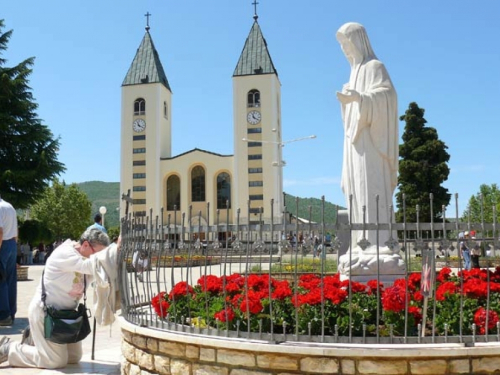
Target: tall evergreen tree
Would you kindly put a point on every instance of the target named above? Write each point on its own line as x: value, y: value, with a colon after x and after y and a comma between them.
x: 422, y: 168
x: 28, y: 150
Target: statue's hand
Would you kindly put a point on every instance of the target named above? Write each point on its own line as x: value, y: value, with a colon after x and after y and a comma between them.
x: 348, y: 96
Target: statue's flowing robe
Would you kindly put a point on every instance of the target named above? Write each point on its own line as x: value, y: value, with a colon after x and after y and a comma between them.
x: 371, y: 139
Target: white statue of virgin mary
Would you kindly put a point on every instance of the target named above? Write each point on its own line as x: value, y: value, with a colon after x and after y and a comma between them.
x: 370, y: 165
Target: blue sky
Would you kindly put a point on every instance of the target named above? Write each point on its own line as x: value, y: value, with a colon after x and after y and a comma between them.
x: 444, y: 55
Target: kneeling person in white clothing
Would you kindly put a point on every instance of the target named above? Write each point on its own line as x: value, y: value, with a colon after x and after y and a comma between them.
x: 64, y: 287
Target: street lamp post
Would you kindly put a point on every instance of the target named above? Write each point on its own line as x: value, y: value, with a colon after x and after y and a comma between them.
x: 103, y: 211
x: 279, y: 163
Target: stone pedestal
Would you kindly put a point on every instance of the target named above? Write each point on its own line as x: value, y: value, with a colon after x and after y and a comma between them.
x: 364, y: 265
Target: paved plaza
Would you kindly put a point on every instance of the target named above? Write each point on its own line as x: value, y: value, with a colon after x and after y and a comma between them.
x: 107, y: 356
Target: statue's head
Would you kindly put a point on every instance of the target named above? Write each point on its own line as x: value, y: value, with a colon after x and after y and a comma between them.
x: 354, y: 41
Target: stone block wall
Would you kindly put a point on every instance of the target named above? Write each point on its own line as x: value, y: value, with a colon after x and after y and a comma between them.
x: 148, y: 351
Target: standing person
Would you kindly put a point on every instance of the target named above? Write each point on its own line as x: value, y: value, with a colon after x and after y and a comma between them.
x: 475, y: 254
x: 465, y: 251
x: 41, y: 253
x: 98, y: 223
x: 63, y: 279
x: 25, y: 249
x: 8, y: 271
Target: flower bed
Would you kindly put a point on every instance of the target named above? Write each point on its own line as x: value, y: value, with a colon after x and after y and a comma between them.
x: 260, y: 302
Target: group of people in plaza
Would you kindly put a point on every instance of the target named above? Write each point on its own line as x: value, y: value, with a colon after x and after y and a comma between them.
x: 28, y: 254
x: 68, y: 270
x: 315, y: 240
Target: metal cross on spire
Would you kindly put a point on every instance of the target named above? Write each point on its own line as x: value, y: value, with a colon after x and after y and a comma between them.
x: 147, y: 15
x: 255, y: 16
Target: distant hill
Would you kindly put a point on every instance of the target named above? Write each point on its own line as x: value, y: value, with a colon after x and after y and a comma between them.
x: 107, y: 194
x: 314, y: 213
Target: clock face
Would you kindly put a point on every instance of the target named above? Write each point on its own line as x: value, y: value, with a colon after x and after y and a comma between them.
x: 139, y: 125
x: 253, y: 117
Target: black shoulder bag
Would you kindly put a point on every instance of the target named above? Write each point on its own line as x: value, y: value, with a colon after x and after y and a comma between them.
x: 66, y: 326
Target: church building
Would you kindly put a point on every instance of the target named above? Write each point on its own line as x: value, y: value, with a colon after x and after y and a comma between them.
x: 247, y: 180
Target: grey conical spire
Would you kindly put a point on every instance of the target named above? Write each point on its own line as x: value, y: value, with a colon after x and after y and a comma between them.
x: 255, y: 58
x: 146, y: 66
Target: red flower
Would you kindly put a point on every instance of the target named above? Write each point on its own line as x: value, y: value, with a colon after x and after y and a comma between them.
x: 258, y: 282
x: 335, y: 295
x: 282, y: 290
x: 160, y: 305
x: 181, y: 289
x: 393, y: 298
x: 234, y: 278
x: 332, y: 281
x: 232, y: 287
x: 373, y: 287
x: 443, y: 275
x: 414, y: 280
x: 210, y: 283
x: 355, y: 286
x: 254, y: 305
x: 475, y: 288
x: 417, y: 314
x: 309, y: 281
x: 446, y: 288
x: 480, y: 319
x: 226, y: 315
x: 417, y: 296
x: 313, y: 297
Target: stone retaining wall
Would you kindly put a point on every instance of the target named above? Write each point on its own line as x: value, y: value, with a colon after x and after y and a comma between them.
x: 148, y: 351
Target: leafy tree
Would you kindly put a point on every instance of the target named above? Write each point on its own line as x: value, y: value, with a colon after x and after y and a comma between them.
x: 64, y: 209
x: 422, y: 168
x: 488, y: 196
x: 34, y: 232
x: 28, y: 151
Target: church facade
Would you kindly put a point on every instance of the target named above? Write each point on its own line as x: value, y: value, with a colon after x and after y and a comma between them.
x: 200, y: 183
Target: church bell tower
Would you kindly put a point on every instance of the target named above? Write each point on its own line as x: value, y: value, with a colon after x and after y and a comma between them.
x: 145, y: 127
x: 258, y: 170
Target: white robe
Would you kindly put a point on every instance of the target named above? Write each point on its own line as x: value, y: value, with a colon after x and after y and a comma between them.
x: 371, y: 138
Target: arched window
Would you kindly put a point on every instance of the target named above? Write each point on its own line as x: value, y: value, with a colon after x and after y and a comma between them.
x: 165, y: 110
x: 139, y: 107
x: 253, y: 98
x: 173, y: 192
x: 223, y: 190
x: 198, y: 184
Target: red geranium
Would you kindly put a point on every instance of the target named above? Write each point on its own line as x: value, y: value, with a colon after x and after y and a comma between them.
x: 417, y: 314
x: 254, y: 305
x: 394, y: 298
x: 443, y: 275
x: 448, y: 287
x: 309, y: 281
x: 281, y: 290
x: 373, y: 287
x: 480, y: 319
x: 210, y: 283
x: 226, y: 315
x: 160, y: 304
x: 335, y: 295
x: 180, y: 289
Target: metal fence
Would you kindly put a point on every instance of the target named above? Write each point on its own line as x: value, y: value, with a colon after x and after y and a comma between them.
x: 258, y: 282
